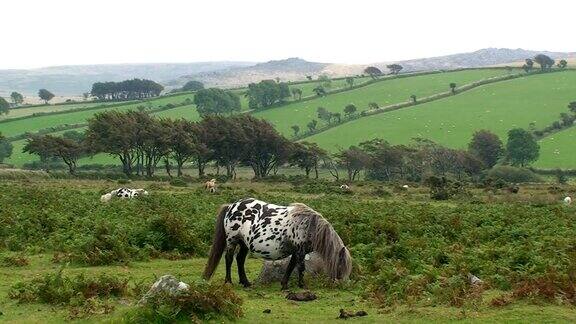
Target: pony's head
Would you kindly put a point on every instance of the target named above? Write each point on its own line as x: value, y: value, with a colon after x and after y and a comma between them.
x: 142, y: 192
x: 106, y: 197
x: 327, y: 243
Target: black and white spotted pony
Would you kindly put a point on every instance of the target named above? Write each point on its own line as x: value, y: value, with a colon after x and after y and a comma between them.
x: 274, y: 232
x: 123, y: 193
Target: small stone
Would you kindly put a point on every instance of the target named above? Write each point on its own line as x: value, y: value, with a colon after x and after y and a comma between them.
x: 166, y: 283
x: 267, y: 311
x: 302, y: 296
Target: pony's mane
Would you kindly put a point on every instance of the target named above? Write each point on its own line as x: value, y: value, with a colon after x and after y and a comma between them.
x: 325, y: 241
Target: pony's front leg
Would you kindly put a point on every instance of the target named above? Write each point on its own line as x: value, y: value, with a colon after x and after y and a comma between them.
x: 229, y: 259
x: 289, y: 269
x: 240, y: 259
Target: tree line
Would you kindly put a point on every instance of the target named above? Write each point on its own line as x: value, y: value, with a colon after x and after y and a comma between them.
x: 126, y: 90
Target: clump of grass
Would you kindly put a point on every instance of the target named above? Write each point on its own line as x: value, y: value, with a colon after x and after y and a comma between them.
x: 84, y: 295
x: 15, y: 261
x: 58, y: 289
x: 178, y: 182
x: 201, y: 302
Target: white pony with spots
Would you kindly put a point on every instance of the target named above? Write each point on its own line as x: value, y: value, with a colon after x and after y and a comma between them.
x: 274, y: 232
x: 123, y: 193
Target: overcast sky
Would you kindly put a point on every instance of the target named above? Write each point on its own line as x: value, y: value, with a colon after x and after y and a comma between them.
x: 61, y: 32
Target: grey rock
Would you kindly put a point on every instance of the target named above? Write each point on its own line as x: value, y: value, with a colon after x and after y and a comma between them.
x: 166, y: 284
x: 273, y: 271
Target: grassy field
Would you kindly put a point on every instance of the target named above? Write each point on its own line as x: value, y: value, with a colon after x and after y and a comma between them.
x: 26, y: 111
x: 452, y: 121
x: 396, y: 241
x: 383, y: 93
x: 557, y: 150
x: 34, y: 124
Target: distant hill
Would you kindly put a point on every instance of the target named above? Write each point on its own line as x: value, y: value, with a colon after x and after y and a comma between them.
x: 483, y: 57
x: 288, y: 69
x: 76, y: 79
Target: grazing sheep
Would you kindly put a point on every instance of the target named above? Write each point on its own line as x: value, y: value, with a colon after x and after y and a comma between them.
x: 405, y: 187
x: 210, y: 185
x: 106, y: 197
x: 568, y: 201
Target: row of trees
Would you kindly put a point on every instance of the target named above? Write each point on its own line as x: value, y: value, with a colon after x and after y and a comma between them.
x: 126, y: 90
x: 266, y: 93
x: 546, y: 63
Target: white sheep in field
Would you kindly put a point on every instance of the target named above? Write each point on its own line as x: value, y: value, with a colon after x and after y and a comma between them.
x: 405, y: 187
x: 345, y: 187
x: 568, y: 201
x: 106, y: 197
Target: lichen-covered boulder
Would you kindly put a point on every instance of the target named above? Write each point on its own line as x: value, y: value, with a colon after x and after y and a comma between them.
x: 273, y: 271
x: 167, y: 284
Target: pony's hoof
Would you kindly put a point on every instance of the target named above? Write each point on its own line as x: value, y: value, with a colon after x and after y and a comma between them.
x: 246, y: 284
x: 284, y: 288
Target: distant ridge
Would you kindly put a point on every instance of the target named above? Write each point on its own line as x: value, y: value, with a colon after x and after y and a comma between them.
x: 74, y: 80
x: 480, y: 58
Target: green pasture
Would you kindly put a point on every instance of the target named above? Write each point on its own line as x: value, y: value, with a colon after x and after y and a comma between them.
x: 557, y: 150
x: 498, y: 107
x: 383, y: 93
x: 26, y: 111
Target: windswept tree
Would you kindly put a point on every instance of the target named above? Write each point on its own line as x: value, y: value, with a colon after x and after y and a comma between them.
x: 350, y: 110
x: 572, y: 106
x: 295, y: 129
x: 182, y: 143
x: 373, y: 72
x: 353, y: 160
x: 5, y: 148
x: 325, y: 81
x: 192, y: 86
x: 17, y: 98
x: 394, y: 68
x: 528, y: 65
x: 350, y: 81
x: 115, y: 133
x: 413, y: 98
x: 225, y: 139
x: 546, y: 63
x: 562, y: 64
x: 487, y: 147
x: 266, y: 93
x: 312, y: 125
x: 522, y: 148
x: 337, y: 116
x: 4, y: 106
x: 265, y: 149
x: 319, y: 91
x: 296, y: 93
x: 307, y: 157
x: 45, y: 95
x: 48, y: 146
x: 452, y: 87
x: 373, y: 105
x: 324, y: 114
x: 214, y: 101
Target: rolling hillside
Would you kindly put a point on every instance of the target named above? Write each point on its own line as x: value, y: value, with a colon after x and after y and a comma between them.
x: 451, y: 121
x: 557, y: 150
x: 383, y: 93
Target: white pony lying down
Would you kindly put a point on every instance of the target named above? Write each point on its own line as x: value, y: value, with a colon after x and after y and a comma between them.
x: 123, y: 193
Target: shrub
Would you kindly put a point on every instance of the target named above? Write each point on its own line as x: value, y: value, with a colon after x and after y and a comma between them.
x: 513, y: 174
x: 15, y: 261
x: 177, y: 182
x: 124, y: 181
x: 201, y: 302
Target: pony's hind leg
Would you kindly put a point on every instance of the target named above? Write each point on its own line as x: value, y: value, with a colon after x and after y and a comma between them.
x: 289, y: 269
x: 301, y: 269
x: 230, y: 249
x: 240, y: 259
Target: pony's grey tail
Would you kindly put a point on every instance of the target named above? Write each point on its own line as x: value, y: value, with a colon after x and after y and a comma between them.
x: 218, y: 245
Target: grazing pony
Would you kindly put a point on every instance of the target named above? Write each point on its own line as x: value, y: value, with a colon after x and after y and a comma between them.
x: 275, y: 232
x: 123, y: 193
x: 210, y: 185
